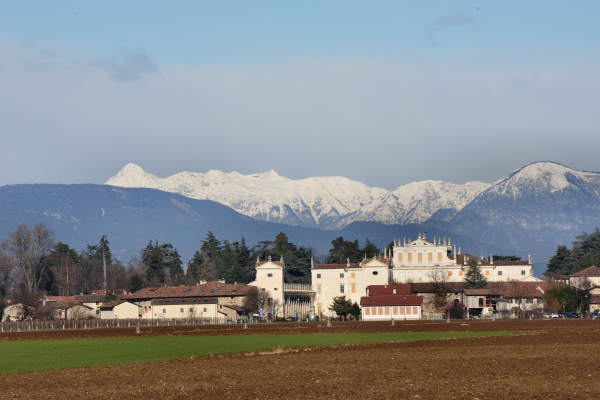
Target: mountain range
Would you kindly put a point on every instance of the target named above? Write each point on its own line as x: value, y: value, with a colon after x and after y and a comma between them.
x: 321, y: 202
x: 531, y: 211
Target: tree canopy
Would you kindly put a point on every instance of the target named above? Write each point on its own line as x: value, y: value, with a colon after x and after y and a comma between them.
x: 584, y: 253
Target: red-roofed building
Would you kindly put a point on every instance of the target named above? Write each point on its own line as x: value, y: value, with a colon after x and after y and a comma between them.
x: 211, y: 300
x: 388, y: 307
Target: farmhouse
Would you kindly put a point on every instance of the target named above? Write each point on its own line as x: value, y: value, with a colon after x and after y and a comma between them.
x: 507, y: 298
x: 211, y: 300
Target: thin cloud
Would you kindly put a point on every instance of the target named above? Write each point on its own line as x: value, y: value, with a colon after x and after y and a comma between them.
x: 128, y: 66
x: 456, y: 19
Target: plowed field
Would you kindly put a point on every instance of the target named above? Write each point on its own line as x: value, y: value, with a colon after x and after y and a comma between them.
x: 542, y: 360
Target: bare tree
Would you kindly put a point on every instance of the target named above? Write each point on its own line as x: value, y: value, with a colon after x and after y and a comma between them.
x: 28, y: 248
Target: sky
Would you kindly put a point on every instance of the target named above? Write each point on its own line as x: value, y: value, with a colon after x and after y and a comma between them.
x: 384, y: 92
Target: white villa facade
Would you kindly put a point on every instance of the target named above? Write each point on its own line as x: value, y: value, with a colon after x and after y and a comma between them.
x: 420, y: 260
x: 409, y: 261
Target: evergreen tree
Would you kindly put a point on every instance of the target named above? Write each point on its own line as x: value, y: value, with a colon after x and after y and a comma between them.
x: 561, y: 262
x: 153, y: 260
x: 370, y: 249
x: 474, y: 279
x: 344, y: 250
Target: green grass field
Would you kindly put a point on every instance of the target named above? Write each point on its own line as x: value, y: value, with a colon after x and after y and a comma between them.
x: 35, y: 355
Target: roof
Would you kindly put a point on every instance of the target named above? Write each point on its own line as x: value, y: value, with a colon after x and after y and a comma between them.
x: 382, y: 290
x: 90, y: 298
x: 335, y: 266
x: 60, y: 299
x: 184, y: 300
x: 429, y: 287
x: 513, y: 289
x: 391, y: 301
x: 589, y: 272
x: 209, y: 289
x: 465, y: 258
x: 522, y: 289
x: 113, y: 304
x: 480, y: 292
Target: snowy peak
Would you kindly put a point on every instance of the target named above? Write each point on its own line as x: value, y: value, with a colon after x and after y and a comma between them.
x: 544, y: 176
x: 132, y: 175
x: 268, y: 196
x: 416, y: 202
x: 326, y: 202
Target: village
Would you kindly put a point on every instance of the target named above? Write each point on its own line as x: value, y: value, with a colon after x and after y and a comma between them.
x: 417, y: 279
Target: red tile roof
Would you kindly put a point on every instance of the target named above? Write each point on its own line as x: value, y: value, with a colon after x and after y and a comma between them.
x: 382, y: 290
x: 209, y: 289
x: 429, y: 287
x: 595, y: 299
x: 391, y: 301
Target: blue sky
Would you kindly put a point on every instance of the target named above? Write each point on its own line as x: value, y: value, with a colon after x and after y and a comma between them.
x: 384, y: 92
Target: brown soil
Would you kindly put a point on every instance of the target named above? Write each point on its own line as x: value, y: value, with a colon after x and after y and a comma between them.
x: 544, y: 360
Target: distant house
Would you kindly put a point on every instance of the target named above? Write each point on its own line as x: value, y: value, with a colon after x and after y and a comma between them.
x: 119, y: 309
x: 211, y: 300
x: 89, y: 306
x: 509, y: 298
x: 586, y: 278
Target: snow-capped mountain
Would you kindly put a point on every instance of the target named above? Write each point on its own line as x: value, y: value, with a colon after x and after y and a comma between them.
x: 325, y: 202
x: 538, y: 206
x: 315, y: 202
x: 417, y: 202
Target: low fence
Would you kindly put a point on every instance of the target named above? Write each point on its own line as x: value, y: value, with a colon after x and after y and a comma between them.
x: 32, y: 326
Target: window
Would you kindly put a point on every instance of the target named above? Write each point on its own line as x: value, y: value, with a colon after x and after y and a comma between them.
x: 352, y: 275
x: 341, y: 275
x: 487, y: 273
x: 341, y: 288
x: 430, y: 257
x: 449, y: 273
x: 367, y: 311
x: 387, y: 311
x: 181, y: 309
x: 409, y: 257
x: 439, y: 257
x: 375, y: 272
x: 415, y: 310
x: 191, y: 309
x: 353, y: 287
x: 318, y: 288
x: 97, y: 312
x: 460, y: 273
x: 274, y: 288
x: 420, y: 257
x: 269, y: 275
x: 481, y: 302
x: 380, y: 311
x: 399, y: 257
x: 522, y: 272
x: 164, y: 310
x: 318, y: 276
x: 499, y: 273
x: 204, y: 309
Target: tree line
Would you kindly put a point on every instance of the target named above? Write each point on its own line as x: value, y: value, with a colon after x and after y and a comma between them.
x: 33, y: 263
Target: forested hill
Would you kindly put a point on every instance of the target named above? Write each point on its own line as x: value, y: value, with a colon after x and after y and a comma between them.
x: 81, y: 214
